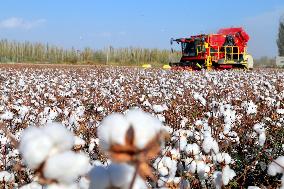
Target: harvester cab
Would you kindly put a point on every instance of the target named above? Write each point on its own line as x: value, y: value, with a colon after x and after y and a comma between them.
x: 225, y: 50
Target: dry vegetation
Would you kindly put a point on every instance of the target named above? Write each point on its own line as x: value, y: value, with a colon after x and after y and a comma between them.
x: 227, y: 104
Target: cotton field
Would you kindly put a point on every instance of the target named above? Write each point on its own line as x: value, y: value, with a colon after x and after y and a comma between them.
x: 87, y: 127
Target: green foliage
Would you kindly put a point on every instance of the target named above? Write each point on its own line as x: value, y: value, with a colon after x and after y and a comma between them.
x: 39, y: 53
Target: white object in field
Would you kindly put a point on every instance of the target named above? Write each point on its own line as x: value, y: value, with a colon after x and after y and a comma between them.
x: 280, y: 61
x: 249, y: 59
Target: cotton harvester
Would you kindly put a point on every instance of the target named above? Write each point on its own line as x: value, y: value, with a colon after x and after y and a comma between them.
x: 225, y: 50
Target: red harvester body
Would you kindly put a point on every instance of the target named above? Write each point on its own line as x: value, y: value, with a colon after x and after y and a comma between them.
x: 224, y: 50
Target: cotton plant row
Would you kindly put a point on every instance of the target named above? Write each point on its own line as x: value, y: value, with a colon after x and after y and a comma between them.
x: 130, y: 140
x: 210, y: 116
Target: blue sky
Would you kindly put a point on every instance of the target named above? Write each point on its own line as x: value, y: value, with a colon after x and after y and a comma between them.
x: 144, y: 23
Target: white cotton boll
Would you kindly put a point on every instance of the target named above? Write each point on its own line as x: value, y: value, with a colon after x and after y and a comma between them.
x: 274, y: 167
x: 34, y: 147
x: 215, y: 146
x: 163, y: 171
x: 198, y: 97
x: 280, y: 111
x: 66, y: 167
x: 210, y: 143
x: 261, y: 139
x: 251, y: 108
x: 182, y: 143
x: 7, y: 116
x: 227, y: 174
x: 33, y: 185
x: 139, y: 183
x: 84, y: 183
x: 146, y: 103
x: 92, y: 145
x: 220, y: 158
x: 207, y: 144
x: 227, y: 128
x: 62, y: 186
x: 175, y: 154
x: 99, y: 178
x: 200, y: 165
x: 61, y: 138
x: 120, y: 174
x: 80, y: 111
x: 159, y: 108
x: 79, y: 141
x: 161, y: 118
x: 259, y: 128
x: 223, y: 157
x: 217, y: 179
x: 192, y: 149
x: 112, y: 130
x: 183, y: 122
x: 192, y: 167
x: 228, y: 158
x: 253, y: 187
x: 161, y: 183
x: 145, y: 126
x: 6, y: 176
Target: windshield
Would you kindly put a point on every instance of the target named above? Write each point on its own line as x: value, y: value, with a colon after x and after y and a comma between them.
x: 188, y: 49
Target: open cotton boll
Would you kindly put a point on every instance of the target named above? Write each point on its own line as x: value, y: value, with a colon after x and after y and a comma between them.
x: 112, y: 130
x: 192, y: 149
x: 217, y: 179
x: 192, y: 167
x: 202, y: 168
x: 61, y: 138
x: 210, y: 143
x: 274, y: 167
x: 145, y: 126
x: 159, y: 108
x: 34, y: 147
x: 280, y: 111
x: 6, y: 176
x: 99, y: 178
x: 33, y: 185
x: 261, y: 139
x: 7, y: 116
x: 223, y: 157
x: 227, y: 174
x: 62, y: 186
x: 253, y: 187
x: 84, y: 183
x: 259, y: 128
x: 198, y: 97
x: 139, y: 183
x: 79, y: 142
x: 251, y: 108
x: 66, y: 167
x: 121, y: 176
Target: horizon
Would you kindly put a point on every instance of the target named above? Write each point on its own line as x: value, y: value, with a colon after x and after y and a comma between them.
x: 147, y: 24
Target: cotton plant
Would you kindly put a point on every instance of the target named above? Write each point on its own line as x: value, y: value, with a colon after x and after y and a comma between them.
x: 130, y: 140
x: 48, y: 151
x: 277, y: 167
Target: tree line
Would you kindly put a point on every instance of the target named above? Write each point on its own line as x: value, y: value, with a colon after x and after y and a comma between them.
x: 26, y: 52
